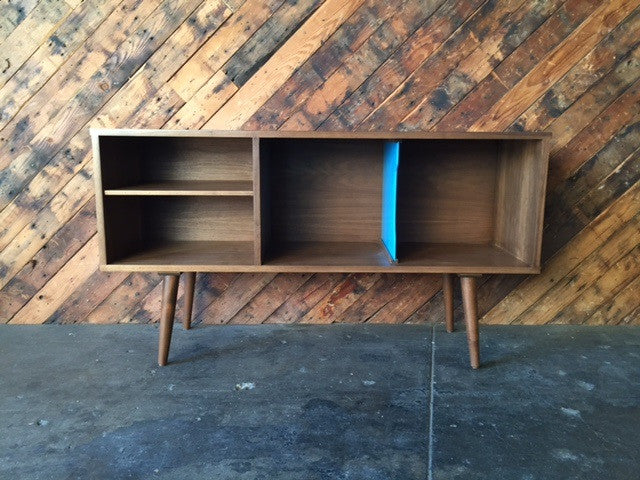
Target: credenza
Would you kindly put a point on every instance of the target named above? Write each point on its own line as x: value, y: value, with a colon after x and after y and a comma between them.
x: 451, y: 203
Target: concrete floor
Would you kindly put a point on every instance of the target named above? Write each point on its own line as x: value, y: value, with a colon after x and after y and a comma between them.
x: 319, y: 402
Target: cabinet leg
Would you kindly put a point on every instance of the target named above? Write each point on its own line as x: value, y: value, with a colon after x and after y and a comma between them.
x: 189, y: 288
x: 169, y: 294
x: 470, y: 300
x: 447, y: 290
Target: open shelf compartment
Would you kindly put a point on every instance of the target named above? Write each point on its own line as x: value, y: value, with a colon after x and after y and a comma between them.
x: 321, y: 203
x: 168, y: 233
x: 442, y: 205
x: 471, y: 205
x: 178, y: 166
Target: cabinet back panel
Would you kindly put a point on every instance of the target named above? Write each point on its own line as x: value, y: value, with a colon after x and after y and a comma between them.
x: 446, y: 191
x: 325, y: 190
x: 131, y: 160
x: 197, y: 219
x: 197, y: 159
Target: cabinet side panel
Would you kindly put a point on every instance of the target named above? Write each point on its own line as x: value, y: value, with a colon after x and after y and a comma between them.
x: 120, y: 161
x: 99, y: 193
x: 522, y: 172
x: 122, y: 227
x: 118, y: 220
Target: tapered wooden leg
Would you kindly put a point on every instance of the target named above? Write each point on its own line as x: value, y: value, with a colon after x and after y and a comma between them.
x: 447, y: 290
x: 169, y: 294
x: 470, y: 299
x: 189, y: 287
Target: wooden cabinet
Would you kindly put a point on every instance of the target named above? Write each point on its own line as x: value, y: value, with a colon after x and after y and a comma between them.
x: 177, y: 202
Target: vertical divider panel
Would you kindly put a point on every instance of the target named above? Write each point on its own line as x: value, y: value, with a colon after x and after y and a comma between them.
x: 257, y: 210
x: 391, y: 162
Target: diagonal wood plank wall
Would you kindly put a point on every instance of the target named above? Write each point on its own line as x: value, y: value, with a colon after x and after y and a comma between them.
x: 570, y: 67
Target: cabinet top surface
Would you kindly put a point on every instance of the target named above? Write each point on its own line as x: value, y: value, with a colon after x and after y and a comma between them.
x: 320, y: 134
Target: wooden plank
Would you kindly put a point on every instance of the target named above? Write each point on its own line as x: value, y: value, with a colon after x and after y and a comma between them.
x: 596, y: 99
x: 426, y: 40
x: 565, y: 218
x: 47, y: 261
x: 599, y: 167
x: 205, y: 102
x: 255, y: 52
x: 589, y: 140
x: 624, y: 176
x: 339, y: 299
x: 432, y: 72
x: 603, y: 290
x: 198, y: 29
x: 217, y: 50
x: 64, y: 85
x: 13, y: 14
x: 82, y: 301
x: 116, y: 307
x: 619, y: 307
x: 567, y: 259
x: 363, y: 62
x: 413, y: 294
x: 590, y: 69
x: 22, y: 248
x: 508, y: 73
x: 383, y: 291
x: 281, y: 65
x: 555, y: 65
x: 303, y: 299
x: 40, y: 66
x: 567, y: 289
x: 241, y: 290
x: 41, y: 306
x: 494, y: 48
x: 31, y: 32
x: 632, y: 318
x: 270, y: 298
x: 322, y: 64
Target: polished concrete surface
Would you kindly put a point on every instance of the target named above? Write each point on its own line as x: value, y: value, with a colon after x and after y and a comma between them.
x: 319, y: 402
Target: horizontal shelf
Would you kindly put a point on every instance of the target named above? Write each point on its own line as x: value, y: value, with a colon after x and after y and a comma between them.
x: 188, y: 256
x: 461, y: 258
x: 331, y: 255
x: 322, y: 257
x: 214, y: 188
x: 413, y: 258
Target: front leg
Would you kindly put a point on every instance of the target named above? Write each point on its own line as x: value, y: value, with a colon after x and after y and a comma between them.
x: 169, y: 295
x: 470, y: 300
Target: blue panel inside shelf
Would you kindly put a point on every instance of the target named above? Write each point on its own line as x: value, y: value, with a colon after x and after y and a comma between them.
x: 390, y: 196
